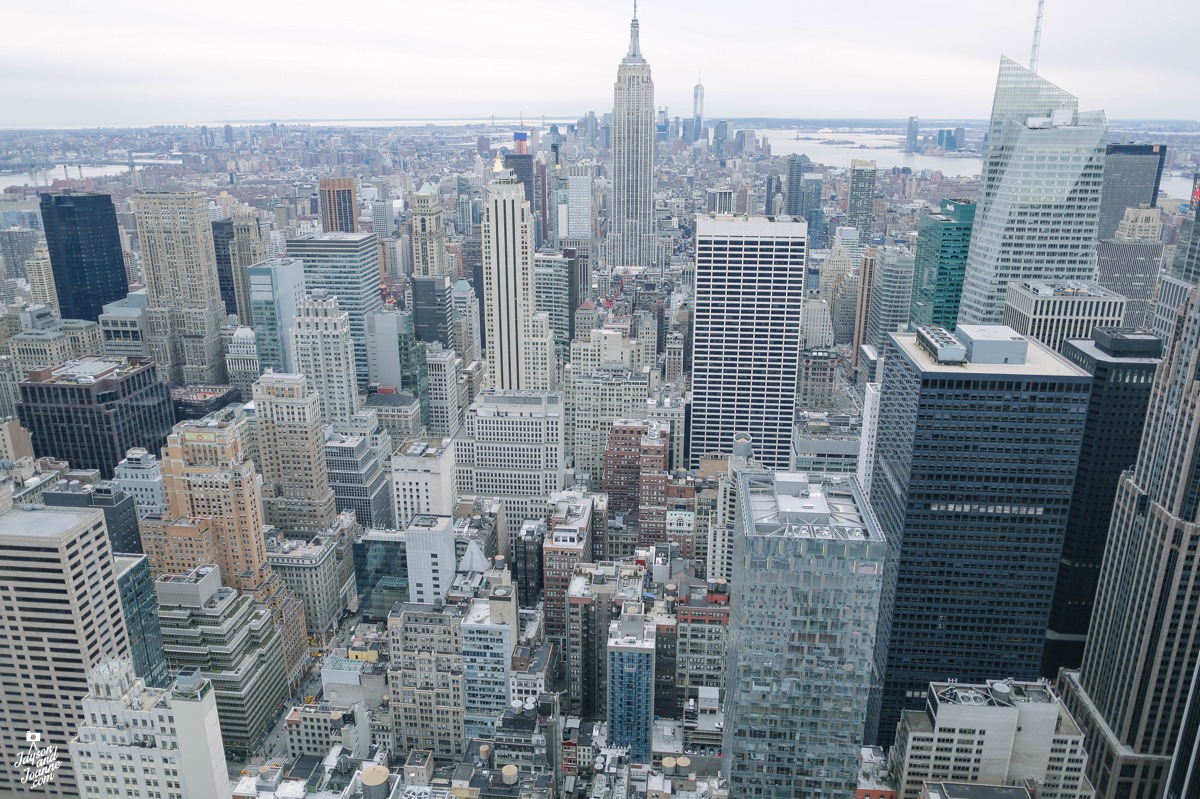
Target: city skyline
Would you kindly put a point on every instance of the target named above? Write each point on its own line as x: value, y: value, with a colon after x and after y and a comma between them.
x: 85, y: 86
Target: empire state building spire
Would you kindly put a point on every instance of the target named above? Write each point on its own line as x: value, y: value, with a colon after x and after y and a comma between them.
x: 632, y: 239
x: 635, y: 47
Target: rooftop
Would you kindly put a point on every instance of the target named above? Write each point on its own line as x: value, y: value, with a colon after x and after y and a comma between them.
x: 971, y: 790
x: 87, y: 370
x: 1040, y: 361
x: 795, y: 505
x: 1063, y: 290
x: 38, y: 521
x: 393, y: 399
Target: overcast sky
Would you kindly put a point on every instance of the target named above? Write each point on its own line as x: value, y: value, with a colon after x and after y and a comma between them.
x: 135, y: 62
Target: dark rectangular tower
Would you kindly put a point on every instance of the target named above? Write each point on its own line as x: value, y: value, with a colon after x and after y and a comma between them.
x: 979, y: 436
x: 85, y: 252
x: 1121, y: 363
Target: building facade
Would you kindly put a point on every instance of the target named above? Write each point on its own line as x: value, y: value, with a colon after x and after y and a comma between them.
x: 939, y: 502
x: 346, y: 267
x: 179, y: 265
x: 943, y: 239
x: 803, y: 665
x: 91, y: 411
x: 1036, y: 218
x: 1131, y: 692
x: 632, y: 237
x: 60, y: 609
x: 84, y: 245
x: 744, y: 380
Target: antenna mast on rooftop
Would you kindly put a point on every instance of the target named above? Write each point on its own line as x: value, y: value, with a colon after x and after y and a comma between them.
x: 1037, y: 39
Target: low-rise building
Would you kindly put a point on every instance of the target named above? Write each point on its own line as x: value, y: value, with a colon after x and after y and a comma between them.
x: 312, y: 729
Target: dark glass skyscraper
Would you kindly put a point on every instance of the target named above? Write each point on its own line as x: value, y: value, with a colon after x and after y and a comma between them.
x: 1122, y: 364
x: 1132, y: 173
x: 222, y: 238
x: 93, y: 410
x: 978, y: 439
x: 943, y: 239
x: 85, y: 252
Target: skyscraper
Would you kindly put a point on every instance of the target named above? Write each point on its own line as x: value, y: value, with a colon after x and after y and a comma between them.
x: 520, y: 161
x: 323, y: 349
x: 1132, y: 174
x: 346, y: 265
x: 1130, y: 261
x: 91, y: 411
x: 750, y: 274
x: 772, y: 194
x: 135, y: 584
x: 186, y: 311
x: 698, y: 110
x: 338, y: 198
x: 297, y: 498
x: 579, y: 201
x: 803, y: 665
x: 520, y: 347
x: 68, y: 619
x: 428, y: 233
x: 1132, y: 689
x: 891, y: 294
x: 632, y: 234
x: 222, y: 230
x: 16, y: 247
x: 1122, y: 364
x: 1040, y: 201
x: 943, y: 239
x: 85, y: 252
x: 214, y: 515
x: 860, y: 213
x: 911, y: 136
x: 941, y: 502
x: 40, y: 273
x: 276, y: 290
x: 125, y: 723
x: 794, y: 205
x: 247, y: 248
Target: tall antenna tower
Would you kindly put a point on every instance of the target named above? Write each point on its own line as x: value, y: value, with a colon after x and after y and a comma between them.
x: 1037, y: 39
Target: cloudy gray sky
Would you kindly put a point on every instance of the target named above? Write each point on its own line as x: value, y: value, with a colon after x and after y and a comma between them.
x: 135, y: 62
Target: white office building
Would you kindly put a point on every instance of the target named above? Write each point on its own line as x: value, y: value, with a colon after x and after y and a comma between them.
x: 430, y: 556
x: 511, y: 447
x: 1003, y: 732
x: 346, y: 266
x: 166, y: 742
x: 747, y: 333
x: 423, y: 478
x: 140, y: 475
x: 324, y: 350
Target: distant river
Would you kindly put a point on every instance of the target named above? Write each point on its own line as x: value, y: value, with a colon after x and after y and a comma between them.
x: 891, y: 152
x: 46, y: 177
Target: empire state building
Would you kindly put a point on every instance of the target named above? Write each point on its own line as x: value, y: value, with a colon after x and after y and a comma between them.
x: 632, y: 239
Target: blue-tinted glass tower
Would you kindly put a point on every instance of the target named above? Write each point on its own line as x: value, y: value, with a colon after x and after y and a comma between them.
x: 135, y: 585
x: 85, y: 252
